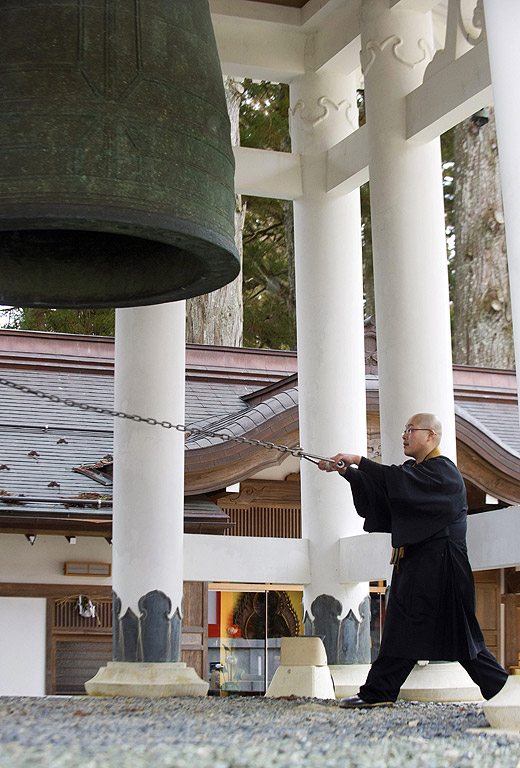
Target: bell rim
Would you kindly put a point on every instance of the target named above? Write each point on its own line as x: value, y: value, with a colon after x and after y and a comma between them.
x: 217, y: 252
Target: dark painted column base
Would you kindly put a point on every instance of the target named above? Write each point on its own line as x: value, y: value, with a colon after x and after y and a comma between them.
x: 150, y: 637
x: 347, y: 640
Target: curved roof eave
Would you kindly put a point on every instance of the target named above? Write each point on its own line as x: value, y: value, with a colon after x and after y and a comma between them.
x: 484, y: 458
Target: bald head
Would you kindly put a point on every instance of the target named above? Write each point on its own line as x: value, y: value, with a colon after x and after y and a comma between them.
x: 428, y: 421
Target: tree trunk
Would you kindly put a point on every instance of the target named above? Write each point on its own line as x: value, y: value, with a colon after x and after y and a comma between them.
x: 288, y: 225
x: 216, y: 318
x: 482, y: 327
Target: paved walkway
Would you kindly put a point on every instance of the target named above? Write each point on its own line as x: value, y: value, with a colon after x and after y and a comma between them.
x: 236, y: 732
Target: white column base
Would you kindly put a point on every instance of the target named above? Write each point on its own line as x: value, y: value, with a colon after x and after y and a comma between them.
x: 147, y: 680
x: 348, y: 678
x: 303, y: 681
x: 440, y: 681
x: 503, y: 710
x: 431, y: 682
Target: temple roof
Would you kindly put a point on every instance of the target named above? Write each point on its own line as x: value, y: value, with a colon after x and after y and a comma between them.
x: 53, y: 452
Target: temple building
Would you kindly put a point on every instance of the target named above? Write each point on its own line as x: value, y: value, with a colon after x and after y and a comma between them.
x: 56, y: 501
x: 424, y: 66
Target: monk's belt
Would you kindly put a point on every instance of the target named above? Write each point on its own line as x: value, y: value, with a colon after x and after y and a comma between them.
x: 397, y: 555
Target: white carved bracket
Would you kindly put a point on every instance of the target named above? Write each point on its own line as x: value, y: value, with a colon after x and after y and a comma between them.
x: 325, y: 104
x: 369, y: 53
x: 458, y: 39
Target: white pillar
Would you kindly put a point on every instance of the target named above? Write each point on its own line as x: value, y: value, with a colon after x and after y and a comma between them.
x: 502, y: 23
x: 148, y: 515
x: 148, y: 518
x: 331, y: 372
x: 410, y: 264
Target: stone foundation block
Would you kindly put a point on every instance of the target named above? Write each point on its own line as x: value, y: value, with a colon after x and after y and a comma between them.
x: 503, y: 710
x: 148, y: 680
x: 444, y: 681
x: 303, y: 670
x: 440, y: 681
x: 302, y: 652
x: 348, y: 678
x: 305, y: 681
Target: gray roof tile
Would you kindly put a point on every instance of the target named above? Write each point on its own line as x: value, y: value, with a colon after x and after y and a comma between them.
x: 498, y: 420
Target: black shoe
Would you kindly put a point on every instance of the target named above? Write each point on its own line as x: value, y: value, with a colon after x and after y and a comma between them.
x: 355, y: 702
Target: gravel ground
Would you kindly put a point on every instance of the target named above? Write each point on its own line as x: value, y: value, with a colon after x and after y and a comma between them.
x: 236, y: 732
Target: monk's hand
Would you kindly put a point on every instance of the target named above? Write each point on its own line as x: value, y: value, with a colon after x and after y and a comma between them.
x: 333, y: 464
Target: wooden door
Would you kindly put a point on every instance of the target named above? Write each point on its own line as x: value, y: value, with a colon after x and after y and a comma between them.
x: 512, y: 632
x: 487, y: 590
x: 194, y: 649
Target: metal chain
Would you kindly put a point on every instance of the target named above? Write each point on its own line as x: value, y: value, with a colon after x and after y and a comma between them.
x: 299, y: 453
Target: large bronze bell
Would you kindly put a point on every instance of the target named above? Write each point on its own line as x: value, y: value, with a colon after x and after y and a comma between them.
x: 116, y: 168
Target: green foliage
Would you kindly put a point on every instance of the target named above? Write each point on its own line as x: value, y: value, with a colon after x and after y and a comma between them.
x: 264, y: 116
x: 97, y: 322
x: 268, y: 292
x: 269, y: 317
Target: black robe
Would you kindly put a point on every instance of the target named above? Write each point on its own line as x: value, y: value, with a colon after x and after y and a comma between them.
x: 431, y: 607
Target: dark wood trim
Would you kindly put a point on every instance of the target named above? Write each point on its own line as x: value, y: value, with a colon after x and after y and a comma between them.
x: 32, y: 525
x: 82, y: 631
x: 205, y: 599
x: 512, y: 641
x: 50, y: 673
x: 490, y: 477
x: 285, y: 3
x: 489, y: 451
x: 269, y: 492
x: 14, y: 589
x: 221, y: 465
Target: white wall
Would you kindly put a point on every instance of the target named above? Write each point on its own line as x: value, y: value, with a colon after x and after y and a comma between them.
x: 246, y: 559
x: 493, y: 540
x: 365, y: 557
x: 206, y: 558
x: 43, y: 562
x: 492, y: 543
x: 22, y: 646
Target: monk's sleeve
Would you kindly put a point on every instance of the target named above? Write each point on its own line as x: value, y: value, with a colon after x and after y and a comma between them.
x: 424, y: 498
x: 370, y: 500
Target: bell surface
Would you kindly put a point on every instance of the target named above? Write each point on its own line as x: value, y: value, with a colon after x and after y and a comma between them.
x: 116, y: 166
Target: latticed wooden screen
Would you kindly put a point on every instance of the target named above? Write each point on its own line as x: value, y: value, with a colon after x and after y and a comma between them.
x: 67, y: 615
x: 77, y: 659
x: 279, y: 522
x: 265, y: 508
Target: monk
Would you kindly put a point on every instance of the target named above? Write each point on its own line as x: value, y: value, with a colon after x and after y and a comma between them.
x: 431, y: 606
